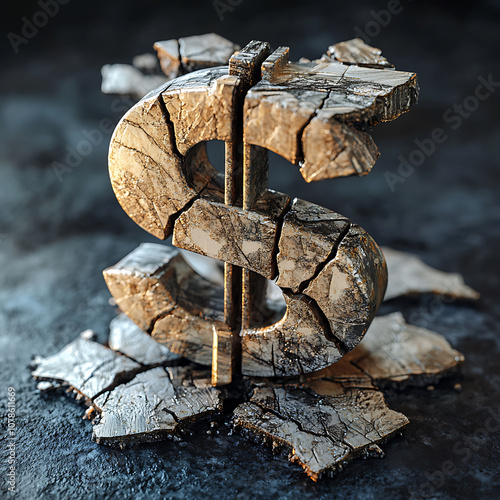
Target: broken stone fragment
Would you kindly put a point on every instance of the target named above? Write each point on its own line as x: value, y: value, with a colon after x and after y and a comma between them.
x: 308, y: 237
x: 294, y: 345
x: 201, y: 106
x: 394, y: 351
x: 186, y: 334
x: 408, y: 275
x: 321, y: 431
x: 162, y: 294
x: 151, y: 406
x: 87, y: 367
x: 312, y: 113
x: 350, y: 286
x: 153, y: 279
x: 169, y: 56
x: 349, y: 151
x: 150, y: 180
x: 324, y: 419
x: 356, y: 51
x: 203, y: 51
x: 134, y: 402
x: 144, y: 283
x: 194, y: 52
x: 127, y: 338
x: 146, y: 62
x: 124, y: 79
x: 242, y: 237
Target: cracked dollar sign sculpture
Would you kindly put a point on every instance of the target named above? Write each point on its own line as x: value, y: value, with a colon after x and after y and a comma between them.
x: 331, y: 272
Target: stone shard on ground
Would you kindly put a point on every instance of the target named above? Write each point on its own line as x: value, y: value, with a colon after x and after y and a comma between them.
x: 408, y: 275
x: 86, y: 366
x: 321, y: 431
x: 128, y: 339
x: 134, y: 403
x: 151, y: 406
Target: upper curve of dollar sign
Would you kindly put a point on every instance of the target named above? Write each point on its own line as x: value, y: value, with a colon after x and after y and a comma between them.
x: 331, y: 272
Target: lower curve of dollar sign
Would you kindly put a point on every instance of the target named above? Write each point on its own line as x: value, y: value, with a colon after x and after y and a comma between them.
x: 331, y: 272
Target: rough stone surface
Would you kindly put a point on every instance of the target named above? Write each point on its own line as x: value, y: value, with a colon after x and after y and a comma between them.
x: 347, y: 152
x: 308, y: 237
x: 127, y: 338
x: 394, y: 353
x: 200, y: 106
x: 163, y: 295
x: 410, y: 276
x: 86, y: 366
x: 324, y: 419
x: 350, y: 286
x: 151, y: 406
x: 310, y: 112
x: 124, y: 79
x: 356, y: 51
x: 193, y: 52
x: 296, y: 344
x: 320, y: 431
x: 246, y: 238
x: 169, y: 56
x: 145, y: 170
x: 207, y: 50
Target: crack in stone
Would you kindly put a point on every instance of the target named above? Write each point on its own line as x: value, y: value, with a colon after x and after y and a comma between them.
x: 300, y: 132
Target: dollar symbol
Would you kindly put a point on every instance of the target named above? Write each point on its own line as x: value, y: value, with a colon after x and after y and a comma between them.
x: 331, y: 272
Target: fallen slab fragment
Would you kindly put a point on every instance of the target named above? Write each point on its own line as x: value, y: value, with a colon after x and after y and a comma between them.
x: 396, y: 353
x: 87, y: 367
x: 147, y: 63
x: 408, y: 275
x: 152, y: 405
x: 134, y: 403
x: 127, y: 338
x: 321, y: 431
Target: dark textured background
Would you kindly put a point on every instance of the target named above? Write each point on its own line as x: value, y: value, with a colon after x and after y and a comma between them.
x: 56, y: 237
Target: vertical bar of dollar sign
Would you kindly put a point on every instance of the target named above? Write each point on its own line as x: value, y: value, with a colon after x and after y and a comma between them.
x: 239, y: 285
x: 255, y: 183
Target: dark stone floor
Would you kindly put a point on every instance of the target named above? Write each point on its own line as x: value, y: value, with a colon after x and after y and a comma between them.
x: 57, y: 236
